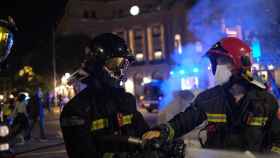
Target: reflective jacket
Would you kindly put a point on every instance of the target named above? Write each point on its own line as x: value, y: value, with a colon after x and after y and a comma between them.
x: 96, y: 112
x: 253, y: 125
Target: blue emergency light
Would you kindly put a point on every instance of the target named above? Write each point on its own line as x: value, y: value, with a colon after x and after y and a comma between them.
x: 195, y: 70
x: 256, y: 49
x: 182, y: 72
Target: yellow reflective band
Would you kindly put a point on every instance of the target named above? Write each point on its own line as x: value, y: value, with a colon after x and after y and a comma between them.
x: 171, y: 132
x: 217, y: 118
x: 127, y: 119
x: 4, y: 33
x: 216, y: 115
x: 108, y: 155
x: 275, y: 149
x: 257, y: 121
x: 99, y: 124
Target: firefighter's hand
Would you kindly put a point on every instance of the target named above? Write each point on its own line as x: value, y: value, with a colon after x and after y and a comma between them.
x: 151, y: 135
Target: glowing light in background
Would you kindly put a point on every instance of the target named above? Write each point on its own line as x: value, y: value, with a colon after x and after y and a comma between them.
x: 146, y: 80
x: 189, y: 83
x: 206, y: 29
x: 139, y: 57
x: 231, y: 32
x: 11, y: 96
x: 198, y: 46
x: 195, y: 70
x: 182, y: 72
x: 158, y: 54
x: 270, y: 67
x: 178, y: 43
x: 64, y: 78
x: 67, y: 75
x: 256, y: 66
x: 256, y: 48
x: 129, y: 86
x: 134, y: 10
x: 185, y: 84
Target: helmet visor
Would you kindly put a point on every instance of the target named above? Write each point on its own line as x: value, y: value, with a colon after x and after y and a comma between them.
x: 6, y: 42
x: 117, y: 66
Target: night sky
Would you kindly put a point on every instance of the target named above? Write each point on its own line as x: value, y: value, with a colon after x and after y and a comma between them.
x: 35, y: 20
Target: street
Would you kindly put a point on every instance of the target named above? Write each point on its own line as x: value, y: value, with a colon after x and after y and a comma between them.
x: 52, y: 148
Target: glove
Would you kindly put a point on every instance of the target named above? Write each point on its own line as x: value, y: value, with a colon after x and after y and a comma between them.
x: 158, y: 135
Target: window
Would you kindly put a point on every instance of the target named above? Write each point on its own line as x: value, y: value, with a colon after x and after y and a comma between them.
x: 139, y: 44
x: 157, y: 36
x: 156, y: 42
x: 178, y: 44
x: 139, y: 57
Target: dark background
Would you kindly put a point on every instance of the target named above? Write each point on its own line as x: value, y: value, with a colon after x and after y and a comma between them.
x: 34, y: 19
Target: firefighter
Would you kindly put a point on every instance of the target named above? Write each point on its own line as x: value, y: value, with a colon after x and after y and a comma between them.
x: 103, y: 109
x: 241, y: 114
x: 7, y: 33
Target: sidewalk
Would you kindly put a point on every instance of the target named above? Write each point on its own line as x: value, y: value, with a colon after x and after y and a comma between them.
x: 52, y: 131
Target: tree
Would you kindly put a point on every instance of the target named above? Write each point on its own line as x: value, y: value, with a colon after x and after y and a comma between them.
x: 27, y: 80
x: 69, y: 51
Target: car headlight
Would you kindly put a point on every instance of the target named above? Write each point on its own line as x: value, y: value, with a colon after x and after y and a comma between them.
x: 4, y: 131
x: 4, y: 147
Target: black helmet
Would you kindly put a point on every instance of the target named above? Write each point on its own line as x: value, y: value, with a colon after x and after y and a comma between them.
x: 7, y: 30
x: 108, y: 57
x: 107, y: 46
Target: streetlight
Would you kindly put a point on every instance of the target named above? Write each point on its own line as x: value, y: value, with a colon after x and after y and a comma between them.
x: 134, y: 10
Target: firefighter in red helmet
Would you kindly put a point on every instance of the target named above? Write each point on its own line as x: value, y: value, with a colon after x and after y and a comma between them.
x: 240, y: 113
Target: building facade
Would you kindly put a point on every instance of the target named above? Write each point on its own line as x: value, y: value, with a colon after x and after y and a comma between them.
x: 153, y: 35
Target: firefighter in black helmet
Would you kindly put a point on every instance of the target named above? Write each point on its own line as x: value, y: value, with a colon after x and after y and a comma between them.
x: 7, y: 31
x: 103, y: 108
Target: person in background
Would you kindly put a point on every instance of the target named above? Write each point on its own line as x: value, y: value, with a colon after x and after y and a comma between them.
x: 20, y: 115
x: 39, y: 104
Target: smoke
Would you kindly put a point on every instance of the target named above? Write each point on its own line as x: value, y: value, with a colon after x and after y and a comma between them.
x: 258, y: 17
x: 207, y: 21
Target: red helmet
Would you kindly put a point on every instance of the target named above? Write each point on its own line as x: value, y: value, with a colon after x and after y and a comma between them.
x: 237, y: 50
